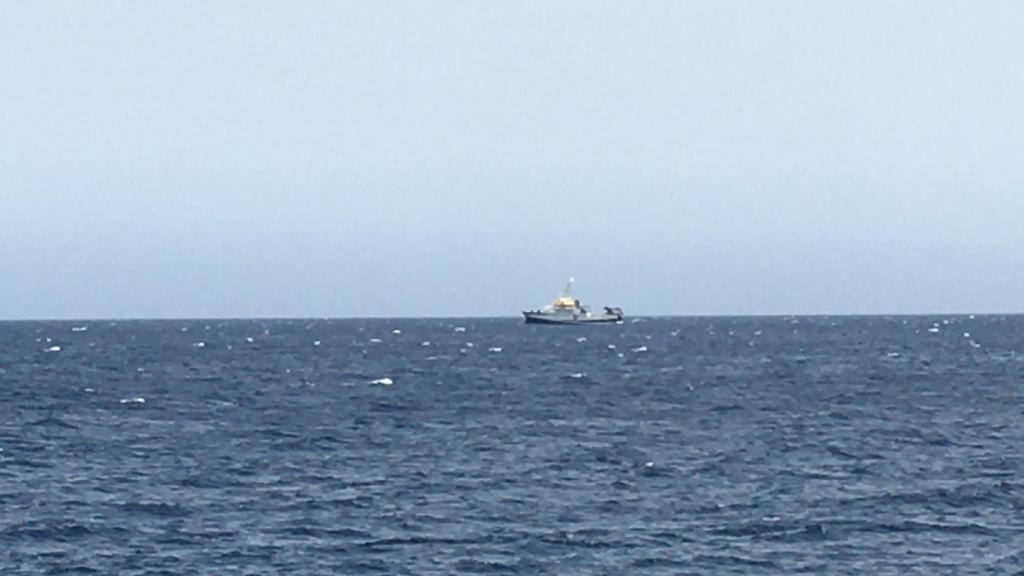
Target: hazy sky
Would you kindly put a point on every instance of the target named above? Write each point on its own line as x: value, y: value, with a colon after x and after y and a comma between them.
x: 170, y: 159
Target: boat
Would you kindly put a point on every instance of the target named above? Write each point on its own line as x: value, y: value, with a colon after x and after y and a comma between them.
x: 568, y: 310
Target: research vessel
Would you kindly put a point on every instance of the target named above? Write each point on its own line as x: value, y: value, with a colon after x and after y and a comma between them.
x: 568, y: 310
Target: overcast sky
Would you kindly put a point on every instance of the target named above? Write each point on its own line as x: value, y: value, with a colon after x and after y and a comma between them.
x: 222, y: 159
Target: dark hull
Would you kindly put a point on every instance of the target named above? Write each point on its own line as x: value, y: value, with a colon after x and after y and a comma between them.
x: 535, y: 318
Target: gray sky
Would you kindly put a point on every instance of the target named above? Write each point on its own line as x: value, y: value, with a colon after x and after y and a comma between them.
x: 463, y: 158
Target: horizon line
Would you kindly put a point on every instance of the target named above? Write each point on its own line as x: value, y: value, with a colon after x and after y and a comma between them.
x: 508, y: 317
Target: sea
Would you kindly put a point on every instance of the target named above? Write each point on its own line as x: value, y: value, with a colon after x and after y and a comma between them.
x: 688, y: 445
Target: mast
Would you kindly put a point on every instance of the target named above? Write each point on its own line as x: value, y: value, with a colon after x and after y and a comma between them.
x: 567, y: 293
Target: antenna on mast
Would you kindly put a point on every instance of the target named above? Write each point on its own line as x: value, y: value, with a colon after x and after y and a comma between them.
x: 568, y: 287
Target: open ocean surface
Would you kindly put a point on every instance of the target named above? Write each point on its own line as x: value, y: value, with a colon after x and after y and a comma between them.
x: 844, y: 445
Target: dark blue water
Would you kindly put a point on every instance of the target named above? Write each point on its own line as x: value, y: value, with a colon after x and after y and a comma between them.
x: 662, y: 446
